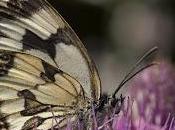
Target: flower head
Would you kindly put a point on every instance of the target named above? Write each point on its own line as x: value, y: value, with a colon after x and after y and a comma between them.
x: 153, y: 92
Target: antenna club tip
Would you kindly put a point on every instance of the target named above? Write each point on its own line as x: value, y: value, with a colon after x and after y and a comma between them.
x: 155, y: 48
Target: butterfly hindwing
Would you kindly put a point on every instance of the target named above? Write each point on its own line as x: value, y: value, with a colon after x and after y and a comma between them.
x: 32, y: 92
x: 34, y: 27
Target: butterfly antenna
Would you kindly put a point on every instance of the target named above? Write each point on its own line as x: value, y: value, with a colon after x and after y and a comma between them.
x: 130, y: 75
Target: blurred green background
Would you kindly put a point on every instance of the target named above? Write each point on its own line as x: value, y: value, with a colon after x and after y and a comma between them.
x: 117, y: 32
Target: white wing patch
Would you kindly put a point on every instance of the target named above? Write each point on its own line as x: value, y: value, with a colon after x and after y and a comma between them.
x: 67, y: 54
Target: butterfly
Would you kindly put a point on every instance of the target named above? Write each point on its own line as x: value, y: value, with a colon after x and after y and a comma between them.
x: 46, y: 75
x: 45, y: 70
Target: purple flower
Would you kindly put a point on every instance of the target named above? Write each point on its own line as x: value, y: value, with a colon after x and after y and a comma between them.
x: 153, y: 92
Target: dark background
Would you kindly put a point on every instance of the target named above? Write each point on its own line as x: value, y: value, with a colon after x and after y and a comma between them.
x: 117, y: 32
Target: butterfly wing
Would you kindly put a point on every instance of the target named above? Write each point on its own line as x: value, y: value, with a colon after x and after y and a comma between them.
x: 33, y: 92
x: 34, y: 27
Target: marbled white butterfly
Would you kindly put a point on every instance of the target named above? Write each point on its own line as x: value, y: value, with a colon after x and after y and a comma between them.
x: 46, y: 75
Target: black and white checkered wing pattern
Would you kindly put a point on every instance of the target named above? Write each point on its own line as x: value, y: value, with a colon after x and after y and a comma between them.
x: 34, y: 27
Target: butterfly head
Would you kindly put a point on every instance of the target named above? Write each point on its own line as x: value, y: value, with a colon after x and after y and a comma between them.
x: 107, y: 102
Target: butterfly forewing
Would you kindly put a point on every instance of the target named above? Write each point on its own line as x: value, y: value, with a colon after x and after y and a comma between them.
x: 34, y: 27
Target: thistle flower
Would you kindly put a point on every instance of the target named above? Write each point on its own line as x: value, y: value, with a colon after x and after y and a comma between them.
x: 154, y: 98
